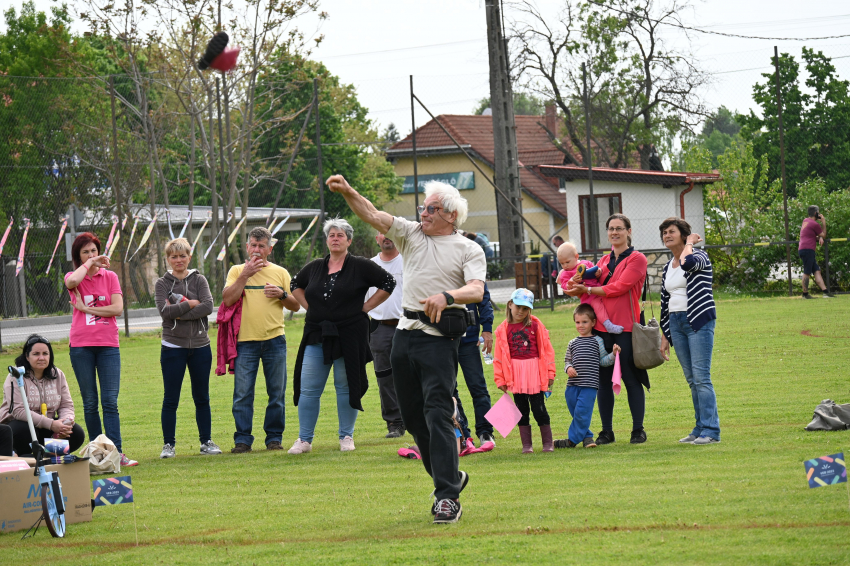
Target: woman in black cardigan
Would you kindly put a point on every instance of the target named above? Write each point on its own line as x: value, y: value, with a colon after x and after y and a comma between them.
x: 336, y: 333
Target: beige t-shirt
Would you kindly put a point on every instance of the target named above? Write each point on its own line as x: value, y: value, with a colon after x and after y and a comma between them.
x: 262, y: 317
x: 433, y: 264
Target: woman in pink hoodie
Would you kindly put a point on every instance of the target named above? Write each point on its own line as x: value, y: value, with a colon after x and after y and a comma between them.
x: 48, y: 397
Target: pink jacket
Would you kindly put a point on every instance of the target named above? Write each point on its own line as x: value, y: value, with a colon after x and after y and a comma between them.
x: 229, y: 320
x: 52, y: 392
x: 502, y: 369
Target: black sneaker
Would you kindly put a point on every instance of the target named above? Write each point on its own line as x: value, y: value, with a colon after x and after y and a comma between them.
x: 806, y: 296
x: 447, y: 511
x: 605, y: 437
x: 464, y: 479
x: 486, y: 437
x: 588, y: 442
x: 395, y: 430
x: 638, y: 436
x: 565, y: 443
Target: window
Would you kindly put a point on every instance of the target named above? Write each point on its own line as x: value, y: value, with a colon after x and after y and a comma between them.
x: 606, y: 205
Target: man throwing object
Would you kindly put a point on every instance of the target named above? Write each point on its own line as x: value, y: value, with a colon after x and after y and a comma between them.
x: 442, y: 272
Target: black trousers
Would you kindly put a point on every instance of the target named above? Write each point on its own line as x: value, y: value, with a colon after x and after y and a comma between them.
x: 425, y: 376
x: 631, y: 376
x: 22, y: 441
x: 538, y: 407
x: 5, y: 440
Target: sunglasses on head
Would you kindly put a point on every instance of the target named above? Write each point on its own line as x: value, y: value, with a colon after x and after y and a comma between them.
x: 37, y: 340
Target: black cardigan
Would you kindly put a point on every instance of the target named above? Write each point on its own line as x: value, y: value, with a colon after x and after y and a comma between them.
x: 338, y: 322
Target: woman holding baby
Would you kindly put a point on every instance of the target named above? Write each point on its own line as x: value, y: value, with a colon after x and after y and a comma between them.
x: 615, y: 285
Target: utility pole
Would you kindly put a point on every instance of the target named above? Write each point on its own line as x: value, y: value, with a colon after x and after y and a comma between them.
x: 594, y: 228
x: 506, y: 164
x: 782, y: 166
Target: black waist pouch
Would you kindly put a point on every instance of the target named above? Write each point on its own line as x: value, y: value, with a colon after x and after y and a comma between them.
x: 453, y: 322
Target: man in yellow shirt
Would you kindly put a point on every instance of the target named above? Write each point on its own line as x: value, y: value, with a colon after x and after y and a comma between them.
x: 263, y: 287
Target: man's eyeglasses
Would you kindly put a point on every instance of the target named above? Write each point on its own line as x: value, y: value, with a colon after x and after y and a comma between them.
x: 616, y: 229
x: 430, y: 208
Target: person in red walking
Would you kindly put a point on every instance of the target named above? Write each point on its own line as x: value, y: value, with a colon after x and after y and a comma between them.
x: 812, y: 233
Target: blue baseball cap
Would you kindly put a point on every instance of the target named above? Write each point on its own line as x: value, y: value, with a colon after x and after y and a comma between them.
x: 523, y: 298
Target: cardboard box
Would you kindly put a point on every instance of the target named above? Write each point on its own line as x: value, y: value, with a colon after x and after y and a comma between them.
x: 20, y: 496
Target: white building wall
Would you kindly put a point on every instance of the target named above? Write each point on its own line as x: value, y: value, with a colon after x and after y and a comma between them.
x: 645, y: 205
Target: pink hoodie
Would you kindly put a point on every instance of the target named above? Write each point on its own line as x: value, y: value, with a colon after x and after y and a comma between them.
x: 52, y: 392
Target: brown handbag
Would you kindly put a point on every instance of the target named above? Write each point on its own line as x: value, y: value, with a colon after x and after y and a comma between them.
x: 646, y: 339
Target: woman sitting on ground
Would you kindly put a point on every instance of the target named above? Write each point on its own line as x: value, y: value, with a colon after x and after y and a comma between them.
x: 48, y: 397
x: 336, y: 332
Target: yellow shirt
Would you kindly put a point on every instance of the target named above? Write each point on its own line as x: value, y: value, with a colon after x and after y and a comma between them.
x: 262, y: 317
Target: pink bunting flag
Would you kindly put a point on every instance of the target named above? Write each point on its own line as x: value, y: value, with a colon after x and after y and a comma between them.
x: 111, y: 233
x: 504, y: 415
x: 56, y: 247
x: 132, y: 233
x: 6, y: 234
x: 229, y: 216
x: 618, y: 375
x: 20, y: 263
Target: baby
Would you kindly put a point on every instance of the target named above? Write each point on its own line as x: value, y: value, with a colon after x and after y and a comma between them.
x: 570, y: 263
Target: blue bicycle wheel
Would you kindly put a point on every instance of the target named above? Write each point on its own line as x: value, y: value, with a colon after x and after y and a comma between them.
x: 53, y: 506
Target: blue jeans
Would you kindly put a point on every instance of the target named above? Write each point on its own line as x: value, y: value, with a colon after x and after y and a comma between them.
x: 99, y: 363
x: 580, y: 401
x: 248, y: 355
x: 469, y: 358
x: 314, y: 377
x: 694, y: 352
x: 174, y: 362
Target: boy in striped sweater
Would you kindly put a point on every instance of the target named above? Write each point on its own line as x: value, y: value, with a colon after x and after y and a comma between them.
x: 585, y: 355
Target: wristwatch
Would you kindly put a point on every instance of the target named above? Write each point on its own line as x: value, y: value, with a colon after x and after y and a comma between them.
x: 449, y: 299
x: 285, y: 294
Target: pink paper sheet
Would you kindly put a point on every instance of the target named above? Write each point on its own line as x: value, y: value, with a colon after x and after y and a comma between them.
x: 618, y: 375
x: 504, y: 415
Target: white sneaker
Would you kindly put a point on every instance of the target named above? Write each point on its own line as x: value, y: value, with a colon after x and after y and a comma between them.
x: 346, y: 444
x: 300, y: 447
x: 167, y: 451
x: 210, y: 447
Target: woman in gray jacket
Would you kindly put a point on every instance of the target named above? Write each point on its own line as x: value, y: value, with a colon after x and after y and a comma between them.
x: 184, y: 302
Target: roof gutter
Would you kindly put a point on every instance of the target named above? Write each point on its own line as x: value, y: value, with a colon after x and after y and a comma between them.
x: 682, y: 197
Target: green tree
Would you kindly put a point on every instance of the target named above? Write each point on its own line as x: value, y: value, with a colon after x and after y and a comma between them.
x: 344, y: 130
x: 641, y: 88
x: 816, y: 122
x: 525, y: 104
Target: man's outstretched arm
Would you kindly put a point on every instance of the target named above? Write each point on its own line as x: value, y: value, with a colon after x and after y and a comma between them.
x: 360, y: 205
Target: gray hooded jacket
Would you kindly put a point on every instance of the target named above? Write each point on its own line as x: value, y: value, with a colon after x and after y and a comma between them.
x: 183, y: 326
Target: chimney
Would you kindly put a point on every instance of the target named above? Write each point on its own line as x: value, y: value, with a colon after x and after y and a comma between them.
x: 551, y: 118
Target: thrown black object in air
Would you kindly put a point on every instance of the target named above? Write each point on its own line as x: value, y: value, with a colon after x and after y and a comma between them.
x: 214, y: 48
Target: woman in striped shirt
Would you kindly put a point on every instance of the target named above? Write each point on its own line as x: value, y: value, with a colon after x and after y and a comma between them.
x: 688, y: 317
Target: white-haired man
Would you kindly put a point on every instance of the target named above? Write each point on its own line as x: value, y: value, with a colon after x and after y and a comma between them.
x: 442, y: 272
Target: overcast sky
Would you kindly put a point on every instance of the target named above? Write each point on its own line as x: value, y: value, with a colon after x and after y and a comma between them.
x: 376, y: 44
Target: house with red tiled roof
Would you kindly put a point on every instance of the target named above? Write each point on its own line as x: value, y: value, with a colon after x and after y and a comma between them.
x: 438, y: 158
x: 555, y: 188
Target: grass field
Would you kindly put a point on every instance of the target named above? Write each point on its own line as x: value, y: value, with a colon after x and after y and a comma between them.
x: 744, y: 501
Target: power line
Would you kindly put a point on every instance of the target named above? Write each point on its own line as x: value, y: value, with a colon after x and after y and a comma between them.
x: 711, y: 32
x: 403, y: 48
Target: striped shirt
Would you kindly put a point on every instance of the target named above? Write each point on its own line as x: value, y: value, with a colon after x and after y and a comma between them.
x: 699, y: 275
x: 586, y: 354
